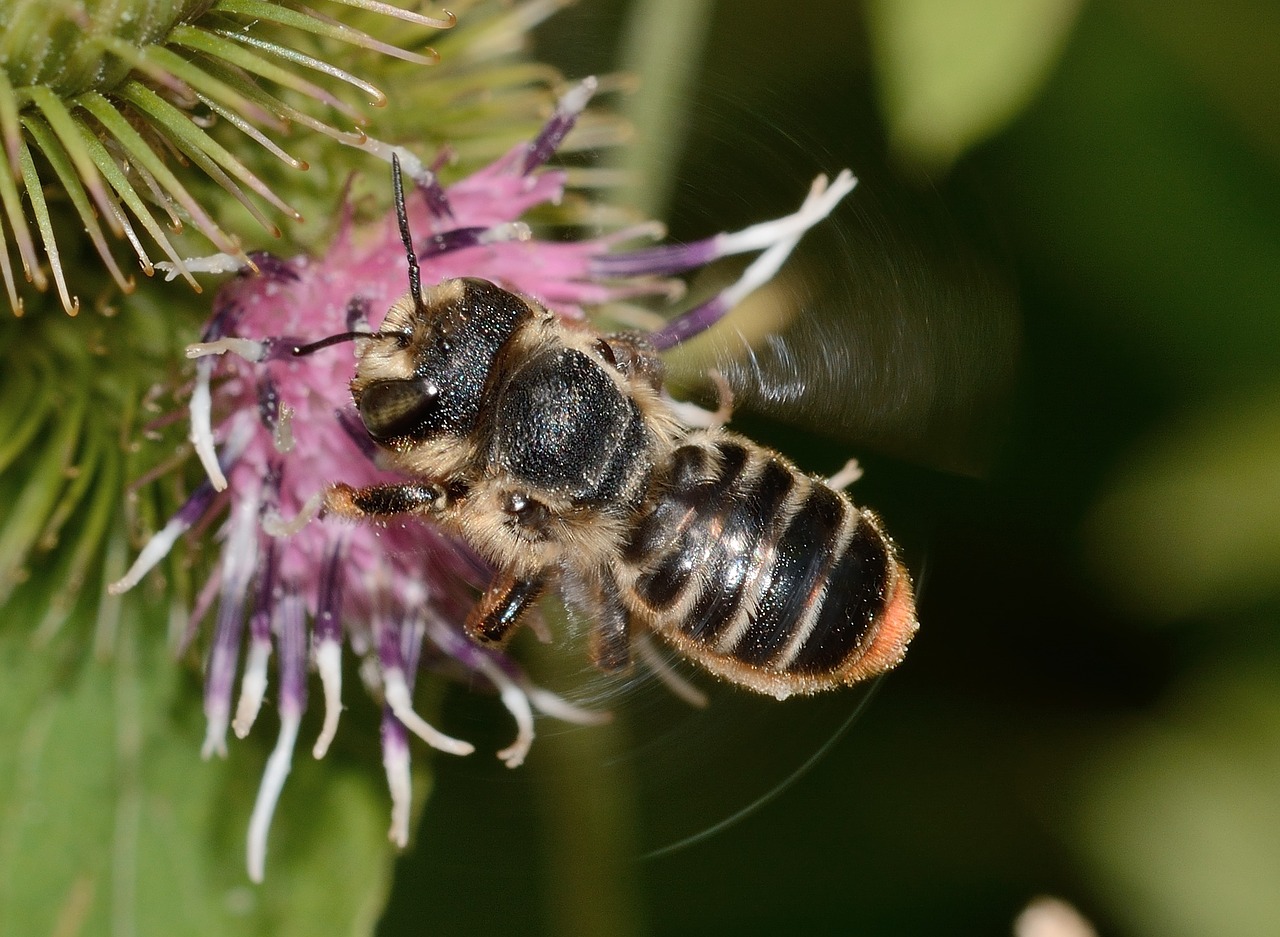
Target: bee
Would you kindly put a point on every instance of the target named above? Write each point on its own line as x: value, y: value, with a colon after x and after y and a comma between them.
x: 551, y: 450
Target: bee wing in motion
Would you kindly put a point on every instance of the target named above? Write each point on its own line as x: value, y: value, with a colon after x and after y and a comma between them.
x: 871, y: 336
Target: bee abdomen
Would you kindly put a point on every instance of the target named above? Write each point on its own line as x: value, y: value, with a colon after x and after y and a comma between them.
x: 765, y: 576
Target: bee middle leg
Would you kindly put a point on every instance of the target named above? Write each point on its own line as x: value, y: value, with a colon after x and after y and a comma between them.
x: 499, y: 612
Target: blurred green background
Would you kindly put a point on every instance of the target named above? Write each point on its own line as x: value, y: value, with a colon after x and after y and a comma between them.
x: 1092, y: 707
x: 1058, y: 287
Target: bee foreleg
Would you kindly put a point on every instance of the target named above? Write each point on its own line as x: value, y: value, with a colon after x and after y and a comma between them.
x: 503, y: 605
x: 382, y: 500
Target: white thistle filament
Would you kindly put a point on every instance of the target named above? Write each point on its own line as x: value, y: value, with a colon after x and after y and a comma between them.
x: 397, y: 693
x: 328, y: 660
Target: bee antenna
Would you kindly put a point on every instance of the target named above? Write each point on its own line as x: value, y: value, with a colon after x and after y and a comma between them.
x: 302, y: 350
x: 402, y: 216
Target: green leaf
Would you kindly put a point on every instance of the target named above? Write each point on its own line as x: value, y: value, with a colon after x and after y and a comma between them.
x: 1146, y: 214
x: 1177, y: 817
x: 952, y: 74
x: 111, y: 823
x: 663, y: 41
x: 1191, y: 525
x: 1230, y: 50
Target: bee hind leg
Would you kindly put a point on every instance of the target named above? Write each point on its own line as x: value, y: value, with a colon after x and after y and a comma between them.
x: 849, y: 473
x: 611, y: 637
x: 701, y: 418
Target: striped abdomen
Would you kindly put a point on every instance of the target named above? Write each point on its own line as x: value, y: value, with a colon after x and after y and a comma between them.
x: 763, y: 575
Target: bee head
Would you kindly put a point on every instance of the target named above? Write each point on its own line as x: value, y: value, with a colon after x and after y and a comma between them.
x: 424, y: 375
x: 432, y: 382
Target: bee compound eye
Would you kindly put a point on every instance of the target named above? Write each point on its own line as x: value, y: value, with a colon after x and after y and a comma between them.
x: 398, y: 407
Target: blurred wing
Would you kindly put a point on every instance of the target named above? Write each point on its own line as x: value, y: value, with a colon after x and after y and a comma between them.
x: 902, y: 341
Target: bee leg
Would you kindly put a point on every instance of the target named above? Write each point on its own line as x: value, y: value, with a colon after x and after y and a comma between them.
x: 849, y: 473
x: 357, y: 504
x: 701, y: 418
x: 504, y: 603
x: 611, y: 638
x: 723, y: 412
x: 383, y: 500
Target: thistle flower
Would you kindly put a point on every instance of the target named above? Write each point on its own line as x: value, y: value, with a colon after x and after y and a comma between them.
x: 108, y: 95
x: 285, y: 430
x: 72, y: 388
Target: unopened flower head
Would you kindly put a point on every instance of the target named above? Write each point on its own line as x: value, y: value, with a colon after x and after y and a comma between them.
x: 274, y: 430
